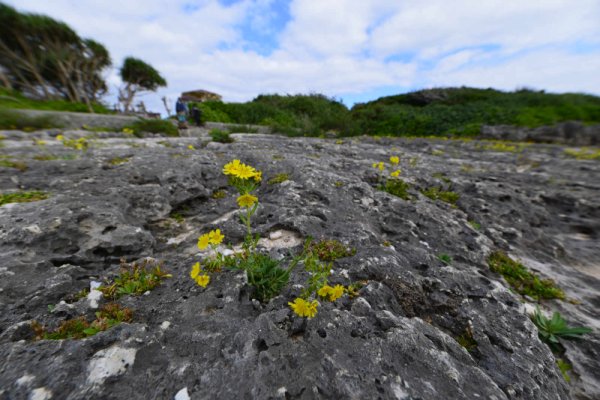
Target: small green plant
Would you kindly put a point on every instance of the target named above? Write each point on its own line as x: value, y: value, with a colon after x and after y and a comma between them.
x: 264, y: 274
x: 441, y: 176
x: 467, y: 340
x: 338, y: 184
x: 328, y: 249
x: 437, y: 152
x: 77, y: 144
x: 474, y: 224
x: 220, y: 136
x: 436, y: 193
x: 585, y: 153
x: 22, y: 197
x: 564, y: 367
x: 503, y: 147
x: 397, y: 187
x: 20, y: 165
x: 79, y: 328
x: 445, y: 258
x: 177, y: 217
x: 522, y: 280
x: 551, y: 330
x: 279, y: 178
x: 134, y: 279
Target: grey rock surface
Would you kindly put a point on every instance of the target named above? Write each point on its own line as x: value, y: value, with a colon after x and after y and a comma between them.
x: 396, y: 340
x: 75, y: 120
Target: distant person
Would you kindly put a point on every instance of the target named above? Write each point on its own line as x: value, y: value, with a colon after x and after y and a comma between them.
x: 181, y: 110
x: 197, y: 115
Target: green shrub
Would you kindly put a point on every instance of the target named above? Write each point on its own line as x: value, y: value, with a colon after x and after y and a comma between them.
x: 328, y: 249
x: 522, y: 280
x: 435, y: 193
x: 153, y: 126
x: 220, y: 136
x: 264, y: 274
x: 14, y: 99
x: 396, y: 187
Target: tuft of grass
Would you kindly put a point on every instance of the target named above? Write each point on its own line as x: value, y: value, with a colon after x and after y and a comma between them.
x: 79, y: 328
x: 264, y: 274
x: 135, y: 279
x: 328, y: 249
x: 279, y: 178
x: 10, y: 119
x: 445, y: 258
x: 20, y: 165
x: 220, y: 136
x: 435, y: 193
x: 503, y: 147
x: 338, y: 184
x: 396, y: 187
x: 177, y: 217
x: 585, y: 153
x: 22, y: 197
x: 522, y: 280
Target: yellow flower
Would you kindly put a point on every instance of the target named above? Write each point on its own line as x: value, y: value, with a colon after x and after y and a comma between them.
x: 336, y: 292
x: 203, y: 241
x: 304, y: 308
x: 195, y: 271
x: 380, y: 166
x: 191, y: 147
x: 396, y: 173
x: 247, y: 200
x: 257, y: 176
x: 60, y: 137
x: 127, y: 131
x: 394, y: 160
x: 202, y: 280
x: 215, y: 237
x: 231, y: 168
x: 324, y: 291
x: 245, y: 171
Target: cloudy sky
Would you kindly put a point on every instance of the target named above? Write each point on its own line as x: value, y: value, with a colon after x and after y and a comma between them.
x: 353, y: 50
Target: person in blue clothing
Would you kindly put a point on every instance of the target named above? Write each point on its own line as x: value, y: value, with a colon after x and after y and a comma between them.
x: 181, y: 110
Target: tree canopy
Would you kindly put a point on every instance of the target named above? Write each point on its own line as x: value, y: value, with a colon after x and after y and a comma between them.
x: 45, y: 58
x: 138, y: 76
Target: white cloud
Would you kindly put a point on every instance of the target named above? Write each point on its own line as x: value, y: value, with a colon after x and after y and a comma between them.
x: 344, y: 46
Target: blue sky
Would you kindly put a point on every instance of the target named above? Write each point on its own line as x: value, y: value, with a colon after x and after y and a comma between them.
x: 352, y: 50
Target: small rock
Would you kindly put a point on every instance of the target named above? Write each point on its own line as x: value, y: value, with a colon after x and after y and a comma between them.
x: 182, y: 394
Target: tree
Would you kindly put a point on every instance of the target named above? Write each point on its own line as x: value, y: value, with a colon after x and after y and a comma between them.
x: 45, y: 58
x: 138, y: 77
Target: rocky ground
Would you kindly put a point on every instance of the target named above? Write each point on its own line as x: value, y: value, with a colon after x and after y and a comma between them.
x: 135, y: 198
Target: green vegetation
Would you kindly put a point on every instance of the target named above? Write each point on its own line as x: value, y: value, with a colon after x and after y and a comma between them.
x: 445, y: 258
x: 118, y: 160
x: 466, y: 340
x: 551, y: 330
x: 435, y: 193
x: 585, y: 153
x: 22, y: 197
x: 10, y: 119
x: 522, y: 280
x: 134, y: 279
x: 177, y: 217
x: 564, y: 367
x: 279, y: 178
x: 218, y: 194
x: 220, y: 136
x: 328, y: 249
x: 462, y: 111
x: 475, y: 225
x: 264, y: 274
x: 396, y: 187
x: 503, y: 147
x: 13, y: 99
x: 46, y: 59
x: 6, y: 162
x: 153, y: 126
x: 79, y: 328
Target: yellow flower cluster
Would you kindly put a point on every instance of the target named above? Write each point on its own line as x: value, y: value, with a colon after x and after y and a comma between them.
x: 246, y: 200
x: 240, y: 170
x: 380, y: 165
x: 333, y: 293
x: 396, y: 173
x: 128, y: 131
x: 304, y: 308
x: 394, y: 160
x: 191, y: 147
x: 195, y: 274
x: 213, y: 237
